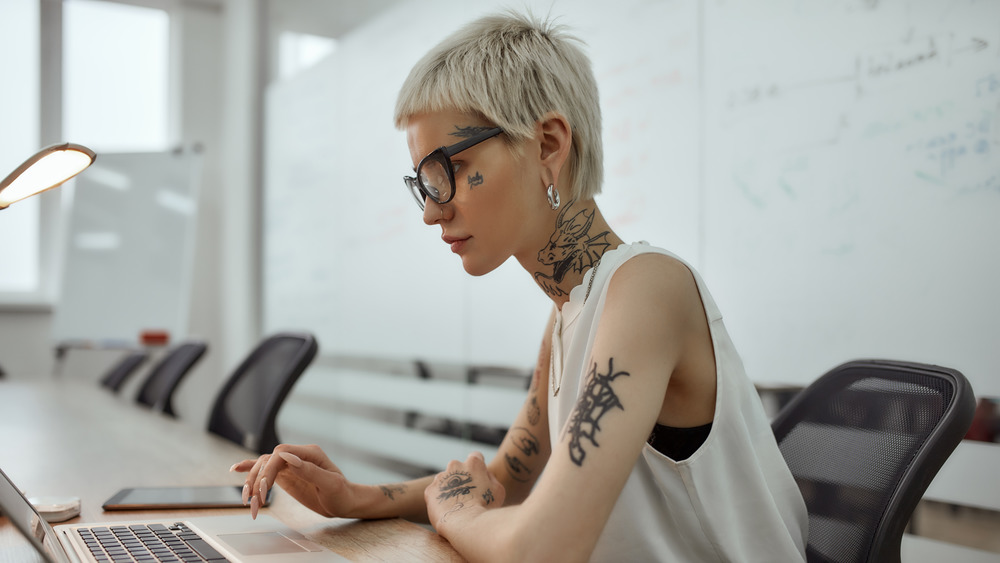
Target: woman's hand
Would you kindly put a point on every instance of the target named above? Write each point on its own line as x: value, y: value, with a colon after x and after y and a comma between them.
x: 304, y: 472
x: 461, y: 491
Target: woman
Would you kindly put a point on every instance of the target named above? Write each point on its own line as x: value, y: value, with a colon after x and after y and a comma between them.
x: 653, y: 442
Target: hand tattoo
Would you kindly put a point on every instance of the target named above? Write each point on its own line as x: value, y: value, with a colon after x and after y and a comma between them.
x: 455, y: 484
x: 456, y: 508
x: 488, y: 497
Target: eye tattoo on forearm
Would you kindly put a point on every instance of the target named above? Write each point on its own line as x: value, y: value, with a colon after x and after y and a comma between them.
x: 455, y: 484
x: 596, y: 400
x: 390, y: 490
x: 527, y: 444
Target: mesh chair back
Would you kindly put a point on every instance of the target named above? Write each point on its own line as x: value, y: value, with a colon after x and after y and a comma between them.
x: 164, y: 378
x: 247, y: 405
x: 123, y: 369
x: 864, y: 442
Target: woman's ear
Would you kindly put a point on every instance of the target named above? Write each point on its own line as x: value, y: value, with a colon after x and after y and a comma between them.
x: 555, y: 139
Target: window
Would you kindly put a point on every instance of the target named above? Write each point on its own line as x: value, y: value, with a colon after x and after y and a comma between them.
x: 115, y: 99
x: 19, y: 140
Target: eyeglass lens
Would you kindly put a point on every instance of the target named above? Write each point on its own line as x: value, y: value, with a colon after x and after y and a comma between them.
x: 434, y: 178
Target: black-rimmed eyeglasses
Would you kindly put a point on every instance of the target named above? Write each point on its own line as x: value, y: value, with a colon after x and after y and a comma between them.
x: 436, y: 175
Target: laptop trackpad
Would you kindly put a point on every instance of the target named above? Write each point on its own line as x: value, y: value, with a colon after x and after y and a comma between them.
x: 261, y: 543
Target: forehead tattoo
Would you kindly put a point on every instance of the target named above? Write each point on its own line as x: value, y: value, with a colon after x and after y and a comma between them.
x: 469, y: 131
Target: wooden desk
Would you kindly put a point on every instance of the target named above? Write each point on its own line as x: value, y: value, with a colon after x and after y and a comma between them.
x: 61, y: 438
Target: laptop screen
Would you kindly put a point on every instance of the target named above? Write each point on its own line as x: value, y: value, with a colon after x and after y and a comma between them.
x: 26, y: 519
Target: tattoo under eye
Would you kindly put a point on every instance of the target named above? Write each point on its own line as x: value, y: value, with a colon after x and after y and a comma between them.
x: 476, y: 180
x: 596, y: 400
x: 455, y: 484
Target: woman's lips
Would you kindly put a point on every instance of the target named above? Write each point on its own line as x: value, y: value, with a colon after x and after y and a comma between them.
x: 456, y: 243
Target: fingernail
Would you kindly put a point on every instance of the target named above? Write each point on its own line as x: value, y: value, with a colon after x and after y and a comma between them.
x: 254, y: 507
x: 233, y: 468
x: 263, y: 488
x: 246, y: 493
x: 291, y: 459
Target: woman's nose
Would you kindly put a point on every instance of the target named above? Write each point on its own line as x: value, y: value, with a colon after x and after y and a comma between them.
x: 433, y: 211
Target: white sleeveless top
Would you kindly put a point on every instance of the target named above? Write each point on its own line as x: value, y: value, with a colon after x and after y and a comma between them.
x: 734, y: 499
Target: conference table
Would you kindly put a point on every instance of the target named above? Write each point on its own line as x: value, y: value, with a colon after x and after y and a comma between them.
x: 65, y: 438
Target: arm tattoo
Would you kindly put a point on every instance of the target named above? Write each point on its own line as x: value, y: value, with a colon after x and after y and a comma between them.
x: 596, y: 400
x: 527, y: 443
x: 390, y: 490
x: 488, y: 497
x: 470, y: 131
x: 534, y: 411
x: 455, y: 484
x: 572, y: 247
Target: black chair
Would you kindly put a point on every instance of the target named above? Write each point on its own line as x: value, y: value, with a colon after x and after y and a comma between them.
x: 863, y: 442
x: 247, y: 405
x: 164, y: 377
x: 123, y: 369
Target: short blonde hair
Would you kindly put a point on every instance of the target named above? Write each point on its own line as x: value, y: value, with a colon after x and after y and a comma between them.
x: 512, y: 69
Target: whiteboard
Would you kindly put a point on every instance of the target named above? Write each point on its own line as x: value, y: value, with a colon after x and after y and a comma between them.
x: 853, y: 183
x: 129, y: 247
x: 835, y: 182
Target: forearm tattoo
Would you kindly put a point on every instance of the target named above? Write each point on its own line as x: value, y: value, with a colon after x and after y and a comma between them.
x: 595, y: 401
x: 525, y: 442
x: 572, y: 247
x: 534, y: 411
x: 455, y: 484
x: 391, y: 490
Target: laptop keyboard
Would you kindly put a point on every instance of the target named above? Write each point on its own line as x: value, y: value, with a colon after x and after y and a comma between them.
x: 175, y: 543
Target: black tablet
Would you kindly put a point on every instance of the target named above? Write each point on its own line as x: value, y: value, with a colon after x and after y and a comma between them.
x: 145, y: 498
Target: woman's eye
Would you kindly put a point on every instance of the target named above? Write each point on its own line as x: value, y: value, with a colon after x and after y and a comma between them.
x: 455, y: 167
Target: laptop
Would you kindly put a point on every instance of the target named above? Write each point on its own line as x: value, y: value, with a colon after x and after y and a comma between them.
x: 236, y: 539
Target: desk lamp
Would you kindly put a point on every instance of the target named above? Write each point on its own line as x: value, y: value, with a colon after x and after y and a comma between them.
x: 47, y: 169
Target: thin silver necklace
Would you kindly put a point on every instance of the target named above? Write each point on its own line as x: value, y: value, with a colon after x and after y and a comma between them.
x: 556, y: 386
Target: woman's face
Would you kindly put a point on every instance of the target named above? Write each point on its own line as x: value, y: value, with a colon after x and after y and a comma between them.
x: 489, y: 218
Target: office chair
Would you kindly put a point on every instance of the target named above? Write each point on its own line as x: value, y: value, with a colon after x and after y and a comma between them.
x: 164, y: 377
x: 863, y: 442
x: 123, y: 369
x: 247, y: 406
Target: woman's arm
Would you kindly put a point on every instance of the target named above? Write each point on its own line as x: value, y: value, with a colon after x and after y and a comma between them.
x: 525, y: 449
x: 310, y: 477
x: 652, y: 311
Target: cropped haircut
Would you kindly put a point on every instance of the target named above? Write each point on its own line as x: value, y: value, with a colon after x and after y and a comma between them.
x: 512, y: 69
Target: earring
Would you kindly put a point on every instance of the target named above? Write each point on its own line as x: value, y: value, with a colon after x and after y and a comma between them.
x: 553, y: 196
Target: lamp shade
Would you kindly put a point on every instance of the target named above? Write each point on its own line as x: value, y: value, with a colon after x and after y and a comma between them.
x: 45, y: 170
